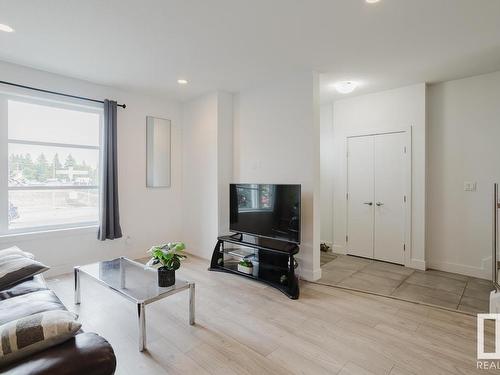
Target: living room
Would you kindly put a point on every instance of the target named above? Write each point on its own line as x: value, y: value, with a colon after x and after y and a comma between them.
x: 139, y: 135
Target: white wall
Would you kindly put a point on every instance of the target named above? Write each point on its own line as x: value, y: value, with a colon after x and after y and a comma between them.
x: 463, y: 145
x: 276, y: 140
x: 225, y: 157
x: 148, y: 216
x: 374, y: 113
x: 326, y: 173
x: 207, y: 171
x: 199, y: 178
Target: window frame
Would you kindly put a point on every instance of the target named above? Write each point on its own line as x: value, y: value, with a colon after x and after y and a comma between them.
x: 5, y: 96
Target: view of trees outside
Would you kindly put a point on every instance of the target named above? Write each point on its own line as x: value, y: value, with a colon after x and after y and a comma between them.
x: 26, y: 171
x: 52, y: 185
x: 34, y: 208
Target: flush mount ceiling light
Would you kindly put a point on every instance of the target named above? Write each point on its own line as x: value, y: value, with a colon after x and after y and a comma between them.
x: 372, y: 1
x: 6, y: 28
x: 345, y: 87
x: 182, y: 81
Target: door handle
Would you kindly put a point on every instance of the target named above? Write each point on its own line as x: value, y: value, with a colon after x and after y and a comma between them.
x: 369, y: 203
x: 379, y: 204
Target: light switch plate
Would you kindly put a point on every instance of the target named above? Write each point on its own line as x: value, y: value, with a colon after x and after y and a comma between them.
x: 470, y: 186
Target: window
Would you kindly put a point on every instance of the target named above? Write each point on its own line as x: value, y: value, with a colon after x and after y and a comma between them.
x: 51, y: 165
x: 255, y: 197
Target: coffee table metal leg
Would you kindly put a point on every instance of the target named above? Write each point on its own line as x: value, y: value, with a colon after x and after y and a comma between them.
x: 141, y: 310
x: 122, y: 274
x: 191, y: 303
x: 76, y: 272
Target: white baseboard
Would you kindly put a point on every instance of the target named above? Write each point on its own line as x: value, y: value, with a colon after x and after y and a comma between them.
x: 417, y: 264
x: 494, y: 302
x: 483, y: 272
x: 310, y: 275
x: 339, y: 249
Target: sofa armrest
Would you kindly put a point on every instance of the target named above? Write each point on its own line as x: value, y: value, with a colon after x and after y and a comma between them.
x: 86, y: 353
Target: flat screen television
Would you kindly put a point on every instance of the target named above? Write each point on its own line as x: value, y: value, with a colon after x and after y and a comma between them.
x: 265, y: 210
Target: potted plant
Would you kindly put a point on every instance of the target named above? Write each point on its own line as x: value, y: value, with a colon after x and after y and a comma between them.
x: 245, y: 266
x: 168, y: 257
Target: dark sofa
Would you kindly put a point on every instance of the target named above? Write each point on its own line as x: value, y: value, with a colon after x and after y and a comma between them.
x: 86, y: 353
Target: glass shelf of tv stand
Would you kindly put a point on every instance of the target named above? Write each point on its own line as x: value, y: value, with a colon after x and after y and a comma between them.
x: 234, y: 254
x: 232, y: 265
x: 270, y: 245
x: 240, y: 252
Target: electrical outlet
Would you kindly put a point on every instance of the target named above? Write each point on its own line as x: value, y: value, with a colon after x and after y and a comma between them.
x: 470, y: 186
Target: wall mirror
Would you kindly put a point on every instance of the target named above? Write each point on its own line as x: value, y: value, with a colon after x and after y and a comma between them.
x: 158, y: 147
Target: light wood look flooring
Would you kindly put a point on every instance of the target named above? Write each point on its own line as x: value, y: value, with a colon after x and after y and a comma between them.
x: 244, y: 327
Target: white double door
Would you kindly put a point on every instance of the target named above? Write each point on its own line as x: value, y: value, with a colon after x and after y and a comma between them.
x: 376, y: 196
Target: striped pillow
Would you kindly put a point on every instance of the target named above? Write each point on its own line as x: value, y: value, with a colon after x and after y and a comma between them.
x: 15, y: 268
x: 31, y: 334
x: 14, y: 250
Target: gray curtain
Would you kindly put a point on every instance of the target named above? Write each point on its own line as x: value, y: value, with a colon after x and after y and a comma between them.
x: 109, y: 226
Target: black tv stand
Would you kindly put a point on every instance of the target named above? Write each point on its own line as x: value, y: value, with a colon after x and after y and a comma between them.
x: 273, y: 260
x: 237, y: 236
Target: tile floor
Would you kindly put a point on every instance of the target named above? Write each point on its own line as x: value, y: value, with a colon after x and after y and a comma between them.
x: 440, y: 288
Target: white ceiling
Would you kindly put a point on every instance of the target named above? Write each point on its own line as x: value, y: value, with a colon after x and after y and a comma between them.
x: 236, y: 44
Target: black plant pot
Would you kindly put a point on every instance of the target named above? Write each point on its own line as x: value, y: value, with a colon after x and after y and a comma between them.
x: 166, y: 277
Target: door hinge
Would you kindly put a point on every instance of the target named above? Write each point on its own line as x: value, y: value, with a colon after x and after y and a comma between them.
x: 347, y: 196
x: 404, y: 247
x: 404, y: 149
x: 346, y: 238
x: 404, y: 198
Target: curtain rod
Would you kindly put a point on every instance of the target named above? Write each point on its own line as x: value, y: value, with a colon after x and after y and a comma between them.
x: 57, y: 93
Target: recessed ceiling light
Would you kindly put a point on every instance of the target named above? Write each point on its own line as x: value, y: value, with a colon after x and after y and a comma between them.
x: 345, y: 87
x: 182, y: 82
x: 6, y: 28
x: 372, y: 1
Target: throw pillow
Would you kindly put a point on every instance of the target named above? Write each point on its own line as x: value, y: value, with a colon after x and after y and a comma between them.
x: 28, y: 335
x: 14, y: 250
x: 15, y: 268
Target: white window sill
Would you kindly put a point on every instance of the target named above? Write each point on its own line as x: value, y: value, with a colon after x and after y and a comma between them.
x: 40, y: 234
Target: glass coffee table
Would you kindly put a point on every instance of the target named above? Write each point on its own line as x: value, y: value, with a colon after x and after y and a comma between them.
x: 137, y: 283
